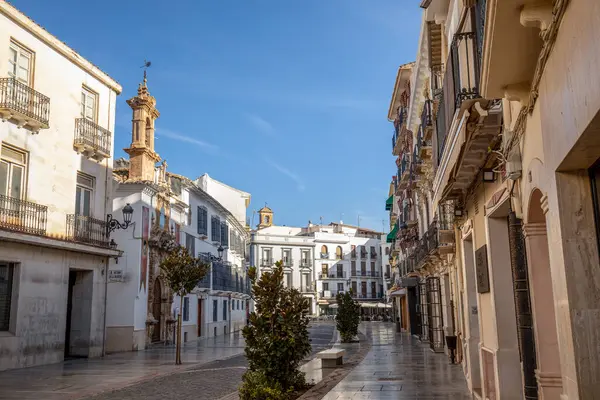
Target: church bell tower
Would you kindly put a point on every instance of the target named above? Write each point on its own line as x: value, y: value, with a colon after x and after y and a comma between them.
x: 142, y: 157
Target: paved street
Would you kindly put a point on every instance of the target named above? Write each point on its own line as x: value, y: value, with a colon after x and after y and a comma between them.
x: 212, y: 368
x: 399, y: 367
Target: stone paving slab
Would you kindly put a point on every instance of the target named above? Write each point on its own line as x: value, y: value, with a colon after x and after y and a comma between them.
x: 399, y: 367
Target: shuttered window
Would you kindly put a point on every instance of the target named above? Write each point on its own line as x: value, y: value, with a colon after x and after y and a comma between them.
x: 224, y: 234
x: 6, y: 280
x: 202, y: 221
x: 215, y: 229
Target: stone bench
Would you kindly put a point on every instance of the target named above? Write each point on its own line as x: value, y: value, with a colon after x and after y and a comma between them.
x: 331, y: 358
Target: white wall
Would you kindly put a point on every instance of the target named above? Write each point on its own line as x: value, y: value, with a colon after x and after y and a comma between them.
x: 53, y: 163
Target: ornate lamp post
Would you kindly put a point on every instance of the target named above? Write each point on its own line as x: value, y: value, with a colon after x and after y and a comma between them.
x: 113, y: 224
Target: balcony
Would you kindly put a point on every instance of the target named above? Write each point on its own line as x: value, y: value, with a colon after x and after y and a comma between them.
x: 330, y: 294
x: 307, y: 288
x: 288, y: 262
x: 266, y: 262
x: 22, y: 216
x: 325, y: 256
x: 20, y: 103
x: 403, y: 172
x: 353, y: 255
x: 304, y: 263
x: 91, y: 140
x: 333, y: 275
x: 424, y: 146
x: 88, y: 230
x: 363, y: 254
x: 368, y: 296
x: 461, y: 84
x: 373, y: 255
x: 436, y: 242
x: 427, y: 120
x: 365, y: 273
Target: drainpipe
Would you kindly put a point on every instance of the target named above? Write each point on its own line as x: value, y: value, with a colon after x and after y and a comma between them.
x: 518, y: 258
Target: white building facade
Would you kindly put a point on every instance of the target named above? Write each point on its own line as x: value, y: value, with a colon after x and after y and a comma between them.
x: 58, y: 113
x: 322, y: 261
x: 142, y: 310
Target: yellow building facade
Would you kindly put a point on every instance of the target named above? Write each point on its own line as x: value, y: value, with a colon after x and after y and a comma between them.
x: 505, y: 251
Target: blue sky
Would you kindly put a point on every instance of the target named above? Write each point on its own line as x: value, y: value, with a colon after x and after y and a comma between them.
x: 286, y: 100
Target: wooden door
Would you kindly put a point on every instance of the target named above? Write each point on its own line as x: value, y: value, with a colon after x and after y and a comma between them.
x: 200, y: 306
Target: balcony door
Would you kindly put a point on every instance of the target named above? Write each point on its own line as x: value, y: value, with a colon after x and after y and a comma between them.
x: 20, y: 67
x: 88, y: 104
x: 83, y: 206
x: 12, y: 172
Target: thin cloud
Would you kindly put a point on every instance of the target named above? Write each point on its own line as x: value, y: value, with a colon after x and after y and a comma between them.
x: 289, y: 174
x: 260, y: 124
x: 187, y: 139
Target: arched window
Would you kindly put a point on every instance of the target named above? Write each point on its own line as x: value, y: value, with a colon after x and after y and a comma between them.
x: 338, y: 252
x: 324, y: 253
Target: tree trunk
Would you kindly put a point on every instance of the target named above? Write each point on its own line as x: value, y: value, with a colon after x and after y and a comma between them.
x: 178, y: 339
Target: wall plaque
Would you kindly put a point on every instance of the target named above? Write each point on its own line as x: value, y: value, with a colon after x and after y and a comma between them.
x: 481, y: 267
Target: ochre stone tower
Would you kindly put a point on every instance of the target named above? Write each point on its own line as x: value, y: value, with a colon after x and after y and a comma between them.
x: 142, y: 157
x: 266, y: 217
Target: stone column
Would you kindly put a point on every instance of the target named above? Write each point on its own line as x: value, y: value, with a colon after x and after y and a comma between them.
x: 548, y: 372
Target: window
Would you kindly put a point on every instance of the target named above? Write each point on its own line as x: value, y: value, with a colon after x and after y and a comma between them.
x: 84, y: 194
x: 20, y: 63
x: 340, y: 271
x: 340, y: 287
x: 215, y: 307
x: 267, y: 257
x: 242, y: 305
x: 289, y: 280
x: 287, y: 258
x: 363, y: 268
x: 338, y: 252
x: 353, y: 267
x: 353, y: 251
x: 186, y: 308
x: 354, y: 290
x: 215, y: 229
x: 190, y: 244
x: 6, y: 282
x: 324, y: 269
x: 189, y: 217
x: 232, y: 305
x: 13, y: 165
x: 202, y: 221
x: 89, y: 100
x: 238, y: 306
x: 224, y: 310
x: 224, y: 234
x: 325, y: 285
x: 323, y: 249
x: 306, y: 281
x: 373, y: 268
x: 387, y: 251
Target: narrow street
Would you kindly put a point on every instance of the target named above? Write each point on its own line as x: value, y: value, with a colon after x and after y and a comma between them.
x: 212, y: 368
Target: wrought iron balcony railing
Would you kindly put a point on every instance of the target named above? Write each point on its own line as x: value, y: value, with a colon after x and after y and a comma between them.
x: 91, y: 139
x: 266, y: 262
x: 365, y: 273
x: 22, y: 216
x: 289, y: 262
x: 333, y: 275
x: 363, y: 254
x: 24, y: 104
x: 330, y: 294
x: 461, y: 83
x: 324, y: 256
x: 88, y: 230
x: 374, y: 255
x: 305, y: 263
x: 367, y: 295
x: 307, y: 288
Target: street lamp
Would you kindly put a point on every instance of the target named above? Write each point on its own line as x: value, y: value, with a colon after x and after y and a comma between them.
x: 220, y: 251
x: 113, y: 224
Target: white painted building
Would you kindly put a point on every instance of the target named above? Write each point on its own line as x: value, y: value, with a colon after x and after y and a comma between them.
x: 322, y: 260
x: 58, y: 113
x: 142, y: 310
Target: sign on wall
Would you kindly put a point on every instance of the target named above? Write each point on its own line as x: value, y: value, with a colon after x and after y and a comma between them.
x: 115, y: 275
x: 481, y: 269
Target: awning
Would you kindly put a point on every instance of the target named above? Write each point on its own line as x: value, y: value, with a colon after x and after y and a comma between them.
x: 389, y: 204
x: 392, y: 235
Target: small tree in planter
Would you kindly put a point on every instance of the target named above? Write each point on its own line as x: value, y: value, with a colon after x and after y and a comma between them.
x: 348, y: 316
x: 277, y: 339
x: 182, y: 272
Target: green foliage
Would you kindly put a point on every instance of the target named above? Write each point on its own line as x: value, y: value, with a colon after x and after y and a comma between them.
x: 348, y: 317
x: 277, y: 338
x: 182, y: 271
